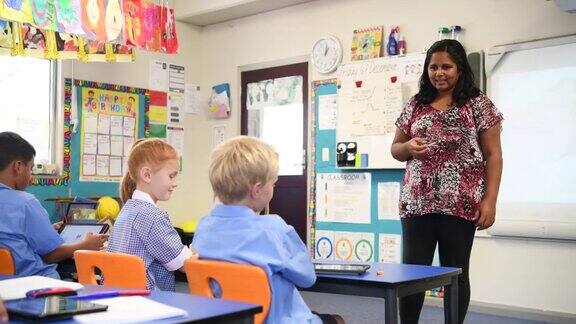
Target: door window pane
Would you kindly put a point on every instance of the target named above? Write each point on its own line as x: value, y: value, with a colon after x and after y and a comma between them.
x: 281, y: 127
x: 275, y: 115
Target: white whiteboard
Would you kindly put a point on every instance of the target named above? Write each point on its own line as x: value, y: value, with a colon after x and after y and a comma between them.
x: 534, y: 85
x: 371, y: 96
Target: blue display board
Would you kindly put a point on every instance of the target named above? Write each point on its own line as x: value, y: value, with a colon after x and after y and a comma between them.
x: 327, y: 139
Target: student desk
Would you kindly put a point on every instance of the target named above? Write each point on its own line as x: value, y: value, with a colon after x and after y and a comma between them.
x: 390, y: 281
x: 200, y: 309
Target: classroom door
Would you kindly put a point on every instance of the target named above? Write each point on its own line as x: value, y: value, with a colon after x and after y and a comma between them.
x: 275, y: 109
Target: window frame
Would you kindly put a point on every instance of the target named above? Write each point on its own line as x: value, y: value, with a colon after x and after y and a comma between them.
x: 55, y: 114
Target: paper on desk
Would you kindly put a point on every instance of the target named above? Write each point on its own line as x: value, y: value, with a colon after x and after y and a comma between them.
x: 130, y: 310
x: 17, y: 288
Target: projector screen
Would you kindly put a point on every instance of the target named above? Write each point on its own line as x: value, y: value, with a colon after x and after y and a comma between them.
x: 535, y: 89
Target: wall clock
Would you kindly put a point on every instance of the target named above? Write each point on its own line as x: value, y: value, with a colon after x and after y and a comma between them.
x: 326, y: 54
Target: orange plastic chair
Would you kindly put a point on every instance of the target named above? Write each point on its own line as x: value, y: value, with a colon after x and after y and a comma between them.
x: 118, y: 269
x: 239, y: 282
x: 6, y: 262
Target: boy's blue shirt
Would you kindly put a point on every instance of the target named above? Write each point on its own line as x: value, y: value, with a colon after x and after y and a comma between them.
x: 237, y: 234
x: 26, y: 231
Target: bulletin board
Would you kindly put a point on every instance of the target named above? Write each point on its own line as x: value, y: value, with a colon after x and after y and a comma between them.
x: 74, y: 187
x: 371, y: 96
x: 107, y: 130
x: 376, y: 239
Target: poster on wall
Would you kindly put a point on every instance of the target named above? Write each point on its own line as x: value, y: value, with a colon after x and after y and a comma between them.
x: 158, y: 114
x: 343, y: 197
x: 324, y: 248
x: 159, y: 78
x: 176, y: 88
x: 165, y: 122
x: 388, y: 200
x: 352, y: 246
x: 390, y: 248
x: 109, y: 127
x: 219, y: 105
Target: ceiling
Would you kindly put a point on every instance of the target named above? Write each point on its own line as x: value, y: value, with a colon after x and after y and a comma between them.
x: 208, y: 12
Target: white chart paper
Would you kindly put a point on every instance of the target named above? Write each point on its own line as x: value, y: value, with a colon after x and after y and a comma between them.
x: 390, y: 248
x: 90, y: 143
x: 343, y: 197
x: 88, y: 165
x: 388, y: 199
x: 327, y: 109
x: 324, y: 247
x: 104, y: 144
x: 102, y: 165
x: 116, y: 145
x: 115, y: 166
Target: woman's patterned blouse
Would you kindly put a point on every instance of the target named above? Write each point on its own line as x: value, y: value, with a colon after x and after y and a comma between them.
x: 450, y: 180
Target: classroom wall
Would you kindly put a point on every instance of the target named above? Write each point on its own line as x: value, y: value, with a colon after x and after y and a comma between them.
x: 522, y: 273
x: 136, y: 74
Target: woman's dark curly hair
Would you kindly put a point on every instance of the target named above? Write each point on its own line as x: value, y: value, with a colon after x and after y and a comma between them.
x: 465, y: 87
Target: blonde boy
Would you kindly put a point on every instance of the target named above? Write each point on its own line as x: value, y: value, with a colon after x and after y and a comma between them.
x: 243, y: 171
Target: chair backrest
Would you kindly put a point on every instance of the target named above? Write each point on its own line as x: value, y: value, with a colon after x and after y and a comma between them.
x: 239, y: 282
x: 6, y: 263
x: 118, y: 269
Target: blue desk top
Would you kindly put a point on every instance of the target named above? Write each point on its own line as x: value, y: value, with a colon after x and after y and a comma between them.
x: 198, y: 308
x: 390, y: 274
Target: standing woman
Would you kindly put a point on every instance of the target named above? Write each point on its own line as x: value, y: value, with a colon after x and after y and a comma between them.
x: 449, y: 136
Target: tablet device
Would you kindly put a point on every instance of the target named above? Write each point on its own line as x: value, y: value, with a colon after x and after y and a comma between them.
x: 53, y: 307
x: 334, y: 268
x: 71, y: 233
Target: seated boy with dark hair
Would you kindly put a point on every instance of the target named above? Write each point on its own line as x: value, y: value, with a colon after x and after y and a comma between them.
x: 243, y: 171
x: 25, y: 227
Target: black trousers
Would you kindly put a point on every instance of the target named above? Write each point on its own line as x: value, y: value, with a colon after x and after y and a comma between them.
x: 454, y: 236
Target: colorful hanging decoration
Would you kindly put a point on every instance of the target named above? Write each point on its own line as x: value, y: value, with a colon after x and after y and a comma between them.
x: 67, y: 46
x: 152, y: 29
x: 68, y: 16
x: 109, y: 29
x: 114, y: 22
x: 17, y: 45
x: 169, y: 36
x: 65, y: 177
x: 93, y: 14
x: 34, y: 40
x: 6, y: 42
x: 122, y: 49
x: 133, y: 17
x: 16, y: 10
x: 43, y: 13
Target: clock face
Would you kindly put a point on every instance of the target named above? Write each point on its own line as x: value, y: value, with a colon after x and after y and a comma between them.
x: 366, y: 43
x: 326, y: 54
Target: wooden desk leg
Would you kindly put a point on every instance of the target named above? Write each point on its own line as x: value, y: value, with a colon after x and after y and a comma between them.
x: 391, y: 306
x: 453, y: 300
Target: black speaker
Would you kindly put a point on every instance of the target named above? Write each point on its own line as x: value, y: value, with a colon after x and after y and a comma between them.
x: 476, y: 60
